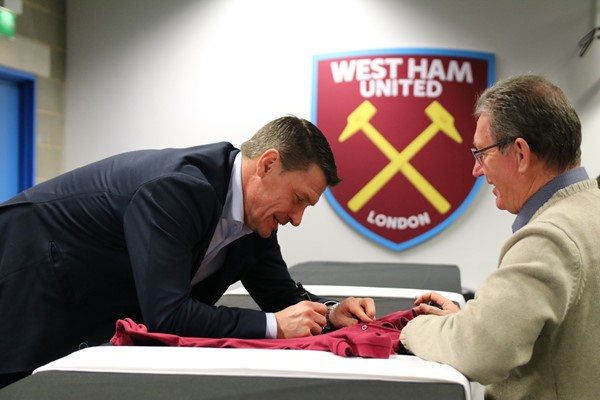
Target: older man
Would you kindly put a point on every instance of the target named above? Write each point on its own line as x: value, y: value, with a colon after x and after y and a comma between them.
x: 532, y: 329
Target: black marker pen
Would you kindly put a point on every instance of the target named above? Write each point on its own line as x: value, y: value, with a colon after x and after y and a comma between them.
x: 302, y: 292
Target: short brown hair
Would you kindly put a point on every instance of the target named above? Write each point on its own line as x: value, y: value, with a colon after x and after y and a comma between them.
x: 299, y: 142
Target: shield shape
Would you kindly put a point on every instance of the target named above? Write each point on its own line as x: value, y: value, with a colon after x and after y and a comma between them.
x: 400, y: 124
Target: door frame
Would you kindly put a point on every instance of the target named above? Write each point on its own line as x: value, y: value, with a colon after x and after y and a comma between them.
x: 26, y: 84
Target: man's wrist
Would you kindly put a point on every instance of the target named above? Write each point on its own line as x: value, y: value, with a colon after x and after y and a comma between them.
x: 328, y: 325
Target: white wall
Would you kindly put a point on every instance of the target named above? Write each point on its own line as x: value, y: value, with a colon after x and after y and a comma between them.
x: 155, y: 73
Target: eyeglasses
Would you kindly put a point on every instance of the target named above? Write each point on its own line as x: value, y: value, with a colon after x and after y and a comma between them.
x: 478, y: 153
x: 585, y: 41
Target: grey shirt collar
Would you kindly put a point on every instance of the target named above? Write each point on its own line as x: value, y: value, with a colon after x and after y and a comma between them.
x: 545, y: 193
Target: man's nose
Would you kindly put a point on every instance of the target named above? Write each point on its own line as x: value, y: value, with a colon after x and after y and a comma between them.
x: 296, y: 216
x: 477, y: 170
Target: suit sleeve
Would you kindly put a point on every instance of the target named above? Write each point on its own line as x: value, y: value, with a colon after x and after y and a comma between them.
x: 269, y: 281
x: 168, y: 219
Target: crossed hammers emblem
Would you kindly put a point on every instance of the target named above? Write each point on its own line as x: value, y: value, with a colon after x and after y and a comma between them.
x: 359, y: 120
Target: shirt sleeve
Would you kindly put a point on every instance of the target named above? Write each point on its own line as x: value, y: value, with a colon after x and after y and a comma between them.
x: 271, y: 332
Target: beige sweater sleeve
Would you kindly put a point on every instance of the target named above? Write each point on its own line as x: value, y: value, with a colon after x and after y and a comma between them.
x: 526, y: 297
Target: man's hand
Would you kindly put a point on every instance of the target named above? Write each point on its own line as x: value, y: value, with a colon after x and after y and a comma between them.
x: 351, y: 311
x: 428, y: 304
x: 302, y: 319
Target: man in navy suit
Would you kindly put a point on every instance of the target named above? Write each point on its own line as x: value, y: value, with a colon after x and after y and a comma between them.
x: 159, y: 236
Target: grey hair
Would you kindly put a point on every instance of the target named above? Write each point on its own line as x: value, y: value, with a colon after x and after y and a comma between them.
x: 533, y: 108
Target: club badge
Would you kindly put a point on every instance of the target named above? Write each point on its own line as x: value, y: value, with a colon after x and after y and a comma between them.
x: 400, y: 124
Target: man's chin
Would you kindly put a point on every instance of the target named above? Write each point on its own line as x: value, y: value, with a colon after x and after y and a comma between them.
x: 266, y: 233
x: 500, y: 205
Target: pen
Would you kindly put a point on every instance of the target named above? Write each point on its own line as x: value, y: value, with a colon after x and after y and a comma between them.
x: 433, y: 303
x: 302, y: 292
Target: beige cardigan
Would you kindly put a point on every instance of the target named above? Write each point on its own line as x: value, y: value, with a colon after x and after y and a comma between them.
x: 533, y: 329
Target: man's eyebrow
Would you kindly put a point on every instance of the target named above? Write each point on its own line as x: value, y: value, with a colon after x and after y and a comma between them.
x: 312, y: 200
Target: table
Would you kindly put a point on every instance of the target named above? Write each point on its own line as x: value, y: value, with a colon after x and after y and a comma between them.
x: 147, y: 373
x: 319, y: 276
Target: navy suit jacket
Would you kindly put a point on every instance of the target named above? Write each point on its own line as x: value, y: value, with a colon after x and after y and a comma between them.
x: 123, y: 237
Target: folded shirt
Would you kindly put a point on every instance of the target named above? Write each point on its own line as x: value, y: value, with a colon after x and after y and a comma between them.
x: 378, y: 339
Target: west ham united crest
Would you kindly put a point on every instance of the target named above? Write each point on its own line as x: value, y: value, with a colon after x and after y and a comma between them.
x: 400, y: 124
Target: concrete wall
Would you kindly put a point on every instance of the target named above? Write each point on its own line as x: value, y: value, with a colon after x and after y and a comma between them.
x: 39, y: 47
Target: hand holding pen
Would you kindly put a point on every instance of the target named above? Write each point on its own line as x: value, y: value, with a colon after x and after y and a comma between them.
x: 305, y: 318
x: 350, y: 311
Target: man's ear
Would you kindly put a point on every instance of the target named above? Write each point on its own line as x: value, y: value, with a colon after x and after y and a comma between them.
x: 267, y: 161
x: 523, y: 154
